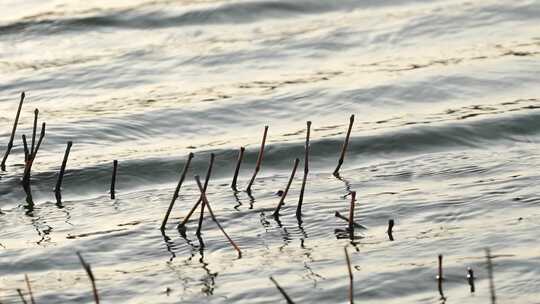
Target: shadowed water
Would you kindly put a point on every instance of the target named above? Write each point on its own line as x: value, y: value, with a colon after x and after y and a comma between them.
x: 445, y: 139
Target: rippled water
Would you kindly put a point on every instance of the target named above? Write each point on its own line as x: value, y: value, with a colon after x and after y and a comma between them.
x: 445, y: 142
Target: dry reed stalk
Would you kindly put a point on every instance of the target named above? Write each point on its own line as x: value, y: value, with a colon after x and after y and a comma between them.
x: 90, y: 274
x: 205, y: 201
x: 470, y: 278
x: 356, y: 225
x: 176, y: 191
x: 26, y: 151
x: 440, y: 276
x: 390, y: 227
x: 351, y: 212
x: 351, y: 279
x: 490, y: 276
x: 58, y: 188
x: 29, y: 289
x: 282, y: 199
x: 113, y: 179
x: 282, y: 291
x: 30, y: 162
x: 19, y: 291
x: 345, y: 145
x: 237, y: 169
x: 306, y: 171
x: 207, y: 179
x: 203, y: 205
x: 259, y: 160
x: 10, y: 143
x: 34, y: 129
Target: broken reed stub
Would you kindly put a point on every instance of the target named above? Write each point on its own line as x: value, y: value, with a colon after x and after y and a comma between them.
x: 390, y: 228
x: 259, y: 160
x: 13, y: 130
x: 306, y: 171
x: 199, y: 201
x: 237, y: 168
x: 176, y: 191
x: 58, y: 188
x: 344, y: 147
x: 470, y: 278
x: 351, y: 278
x: 282, y: 199
x: 282, y: 291
x: 90, y: 274
x: 113, y: 179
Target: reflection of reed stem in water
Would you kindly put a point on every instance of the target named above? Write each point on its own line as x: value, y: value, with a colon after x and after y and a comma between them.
x: 237, y: 169
x: 259, y: 161
x: 207, y: 179
x: 29, y: 289
x: 90, y: 274
x: 306, y: 171
x: 351, y: 213
x: 113, y: 179
x: 345, y: 145
x: 490, y: 276
x: 30, y: 162
x: 212, y: 215
x: 351, y: 278
x: 176, y: 191
x: 390, y: 227
x: 10, y: 143
x: 282, y: 291
x: 57, y: 189
x: 282, y: 199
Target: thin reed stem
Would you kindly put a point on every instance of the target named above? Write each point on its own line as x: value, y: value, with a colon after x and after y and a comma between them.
x: 351, y: 278
x: 282, y: 199
x: 259, y: 160
x: 205, y: 200
x: 176, y: 191
x: 34, y: 129
x: 306, y: 171
x: 345, y: 145
x: 356, y: 225
x: 29, y: 289
x: 351, y: 212
x: 440, y: 276
x: 390, y: 227
x: 19, y: 291
x: 207, y: 179
x: 58, y: 188
x: 282, y: 291
x: 12, y: 137
x: 30, y: 162
x: 237, y: 169
x: 489, y: 265
x: 113, y: 179
x: 470, y: 278
x: 90, y: 274
x: 25, y: 146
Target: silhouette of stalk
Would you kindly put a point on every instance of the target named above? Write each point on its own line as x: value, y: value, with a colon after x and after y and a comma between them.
x: 113, y: 179
x: 58, y: 188
x: 10, y: 143
x: 390, y: 227
x: 201, y: 216
x: 282, y: 199
x: 259, y: 161
x: 345, y: 145
x: 237, y: 170
x: 490, y: 276
x: 207, y: 179
x: 351, y: 279
x: 470, y: 278
x: 356, y: 225
x: 440, y: 277
x: 21, y: 296
x: 30, y: 162
x: 34, y: 129
x: 306, y: 171
x: 25, y: 146
x: 205, y: 201
x: 90, y: 274
x: 283, y: 293
x: 176, y: 191
x: 29, y: 289
x: 351, y: 212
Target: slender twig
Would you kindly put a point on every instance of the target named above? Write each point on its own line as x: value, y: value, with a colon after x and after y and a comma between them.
x: 58, y: 188
x: 356, y: 225
x: 345, y: 145
x: 390, y: 227
x: 351, y: 279
x: 259, y: 160
x: 470, y: 278
x: 207, y: 179
x: 306, y: 171
x: 25, y: 146
x: 205, y: 200
x: 351, y: 212
x: 237, y: 169
x: 29, y: 289
x: 34, y: 129
x: 282, y: 199
x: 113, y: 179
x: 440, y: 276
x: 10, y: 143
x: 282, y: 291
x: 490, y: 275
x: 31, y: 158
x: 176, y: 191
x: 90, y: 274
x: 203, y: 205
x: 19, y: 291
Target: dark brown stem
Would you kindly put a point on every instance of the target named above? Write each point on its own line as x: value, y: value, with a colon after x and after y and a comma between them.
x: 470, y: 278
x: 25, y: 146
x: 58, y: 188
x: 207, y: 179
x: 113, y: 179
x: 440, y: 276
x: 29, y: 289
x: 351, y: 213
x: 36, y: 114
x: 282, y: 291
x: 306, y: 171
x: 176, y: 191
x: 351, y: 279
x: 203, y: 205
x: 345, y: 145
x: 10, y: 143
x: 237, y: 170
x: 21, y: 296
x: 31, y: 158
x: 205, y: 200
x: 90, y: 274
x: 259, y: 160
x: 490, y: 276
x: 282, y: 199
x: 356, y: 225
x: 390, y: 227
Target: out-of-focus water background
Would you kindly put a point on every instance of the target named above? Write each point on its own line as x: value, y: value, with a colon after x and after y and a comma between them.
x: 446, y: 142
